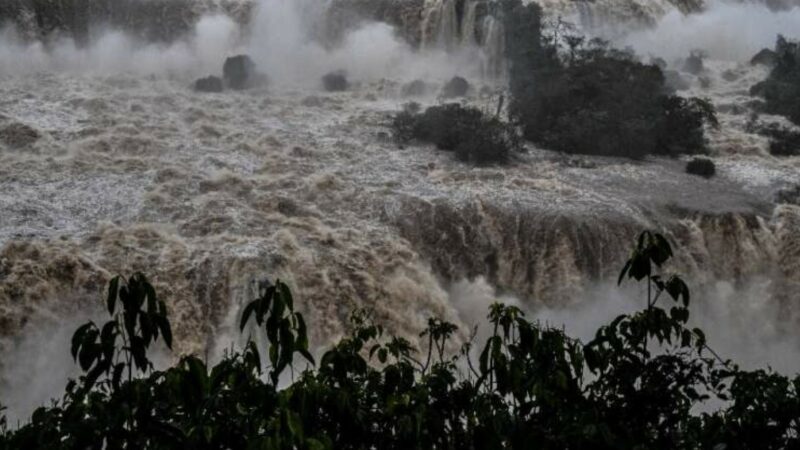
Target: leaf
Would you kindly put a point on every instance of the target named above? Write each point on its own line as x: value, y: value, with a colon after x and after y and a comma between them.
x: 624, y: 272
x: 77, y: 339
x: 111, y: 301
x: 382, y: 355
x: 286, y: 294
x: 248, y: 311
x: 165, y: 328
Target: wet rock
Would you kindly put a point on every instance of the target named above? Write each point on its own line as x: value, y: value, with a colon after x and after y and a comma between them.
x: 765, y: 57
x: 416, y: 88
x: 239, y: 72
x: 335, y: 81
x: 18, y: 135
x: 208, y: 84
x: 456, y: 87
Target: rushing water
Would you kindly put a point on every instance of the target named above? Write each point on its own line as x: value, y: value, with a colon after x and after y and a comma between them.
x: 210, y: 193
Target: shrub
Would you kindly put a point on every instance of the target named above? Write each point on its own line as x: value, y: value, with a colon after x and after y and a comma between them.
x: 579, y: 96
x: 473, y: 136
x: 641, y: 382
x: 781, y: 90
x: 703, y: 167
x: 783, y: 141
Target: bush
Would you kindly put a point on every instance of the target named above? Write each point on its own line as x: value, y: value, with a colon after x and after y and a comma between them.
x: 703, y: 167
x: 642, y: 382
x: 473, y: 136
x: 781, y: 90
x: 585, y: 97
x: 783, y: 141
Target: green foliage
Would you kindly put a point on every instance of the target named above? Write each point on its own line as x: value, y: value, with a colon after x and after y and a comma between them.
x: 781, y: 90
x: 580, y: 96
x: 640, y: 383
x: 468, y: 132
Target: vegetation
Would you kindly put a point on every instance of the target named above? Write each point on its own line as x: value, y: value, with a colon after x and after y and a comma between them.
x: 783, y: 141
x: 781, y: 90
x: 703, y: 167
x: 580, y: 96
x: 639, y: 383
x: 472, y: 135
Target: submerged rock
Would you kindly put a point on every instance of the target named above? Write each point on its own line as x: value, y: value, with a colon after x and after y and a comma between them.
x: 335, y: 81
x: 239, y: 72
x: 208, y: 84
x: 456, y: 87
x: 18, y: 135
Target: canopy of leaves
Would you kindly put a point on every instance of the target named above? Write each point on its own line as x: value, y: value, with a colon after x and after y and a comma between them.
x: 584, y: 97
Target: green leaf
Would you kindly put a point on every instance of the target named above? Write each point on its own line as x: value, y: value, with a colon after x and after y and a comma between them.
x: 78, y: 337
x: 248, y: 311
x: 286, y: 294
x: 111, y: 301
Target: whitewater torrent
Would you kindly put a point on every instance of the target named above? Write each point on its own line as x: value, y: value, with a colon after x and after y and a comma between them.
x: 118, y: 166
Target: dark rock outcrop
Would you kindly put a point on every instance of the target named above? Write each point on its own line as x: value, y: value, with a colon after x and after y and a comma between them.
x: 239, y: 72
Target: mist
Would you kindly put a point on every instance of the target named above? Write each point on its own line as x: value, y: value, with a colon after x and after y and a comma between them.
x: 281, y: 39
x: 731, y: 31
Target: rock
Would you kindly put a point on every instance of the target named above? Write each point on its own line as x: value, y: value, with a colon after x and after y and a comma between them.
x: 765, y: 57
x: 694, y: 63
x: 703, y: 167
x: 416, y: 88
x: 208, y: 84
x: 239, y: 72
x: 335, y: 81
x: 18, y: 135
x: 456, y: 87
